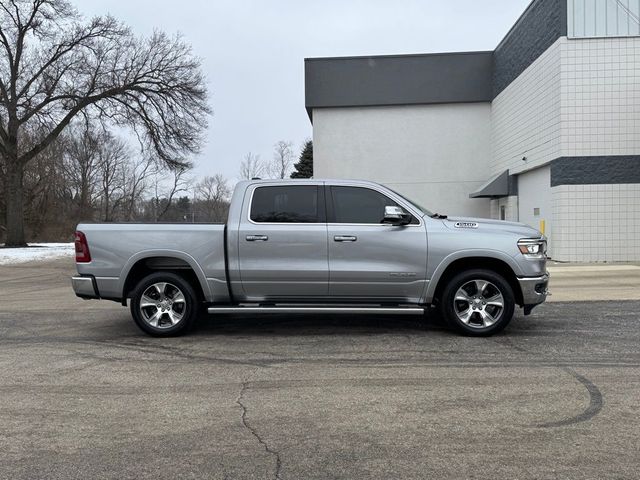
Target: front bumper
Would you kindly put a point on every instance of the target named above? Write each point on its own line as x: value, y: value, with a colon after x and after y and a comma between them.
x: 534, y: 291
x: 85, y: 287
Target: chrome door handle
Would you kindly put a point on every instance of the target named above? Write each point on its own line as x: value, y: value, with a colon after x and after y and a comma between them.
x: 345, y: 238
x: 257, y: 238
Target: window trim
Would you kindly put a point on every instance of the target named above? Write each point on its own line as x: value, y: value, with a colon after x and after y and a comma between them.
x: 322, y: 206
x: 386, y: 193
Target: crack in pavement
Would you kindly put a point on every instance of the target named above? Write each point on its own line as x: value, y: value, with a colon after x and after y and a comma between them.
x: 245, y: 386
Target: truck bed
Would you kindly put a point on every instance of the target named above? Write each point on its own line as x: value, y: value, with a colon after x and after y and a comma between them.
x: 116, y: 248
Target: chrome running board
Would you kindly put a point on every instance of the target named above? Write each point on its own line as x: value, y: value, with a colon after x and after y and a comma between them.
x: 309, y: 309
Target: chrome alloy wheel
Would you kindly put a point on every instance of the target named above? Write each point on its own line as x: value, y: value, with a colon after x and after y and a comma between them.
x: 478, y: 303
x: 162, y: 305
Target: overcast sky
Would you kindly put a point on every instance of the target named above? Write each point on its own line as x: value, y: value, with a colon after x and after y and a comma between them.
x: 253, y: 53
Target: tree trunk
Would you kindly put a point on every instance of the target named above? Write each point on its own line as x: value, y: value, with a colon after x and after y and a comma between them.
x: 15, y: 203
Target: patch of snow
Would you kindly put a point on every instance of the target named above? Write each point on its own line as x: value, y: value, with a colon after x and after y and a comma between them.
x: 36, y: 252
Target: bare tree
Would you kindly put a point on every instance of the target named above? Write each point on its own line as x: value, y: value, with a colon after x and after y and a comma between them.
x: 166, y: 189
x: 282, y: 160
x: 81, y: 164
x: 55, y: 66
x: 251, y: 167
x: 45, y: 186
x: 138, y: 173
x: 113, y: 155
x: 213, y: 192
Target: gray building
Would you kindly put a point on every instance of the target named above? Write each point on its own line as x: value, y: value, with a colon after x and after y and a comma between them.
x: 544, y: 130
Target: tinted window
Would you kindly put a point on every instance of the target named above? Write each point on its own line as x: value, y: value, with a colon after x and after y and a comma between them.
x: 287, y: 204
x: 359, y: 205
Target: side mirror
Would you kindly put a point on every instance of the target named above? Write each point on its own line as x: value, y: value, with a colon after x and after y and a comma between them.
x: 396, y: 216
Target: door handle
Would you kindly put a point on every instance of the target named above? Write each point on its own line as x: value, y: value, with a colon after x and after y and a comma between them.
x: 257, y: 238
x: 345, y: 238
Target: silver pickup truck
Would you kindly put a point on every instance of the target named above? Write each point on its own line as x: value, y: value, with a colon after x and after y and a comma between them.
x: 318, y: 246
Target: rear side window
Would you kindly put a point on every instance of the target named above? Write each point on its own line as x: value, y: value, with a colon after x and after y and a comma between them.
x: 287, y: 204
x: 360, y: 205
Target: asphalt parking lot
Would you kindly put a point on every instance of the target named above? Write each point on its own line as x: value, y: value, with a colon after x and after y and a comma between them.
x: 85, y: 395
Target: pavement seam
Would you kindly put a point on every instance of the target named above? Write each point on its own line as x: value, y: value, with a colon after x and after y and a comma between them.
x: 243, y: 418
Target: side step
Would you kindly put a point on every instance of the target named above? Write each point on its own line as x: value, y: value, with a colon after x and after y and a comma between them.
x: 305, y: 309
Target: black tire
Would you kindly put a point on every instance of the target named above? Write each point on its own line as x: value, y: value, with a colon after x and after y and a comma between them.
x: 480, y: 311
x: 174, y: 317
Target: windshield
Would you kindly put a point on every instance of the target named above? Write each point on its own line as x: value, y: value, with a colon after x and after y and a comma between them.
x: 426, y: 211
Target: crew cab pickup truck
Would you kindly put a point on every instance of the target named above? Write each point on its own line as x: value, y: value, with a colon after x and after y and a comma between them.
x: 317, y: 246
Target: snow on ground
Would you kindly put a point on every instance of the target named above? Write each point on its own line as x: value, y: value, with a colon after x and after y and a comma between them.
x: 36, y: 252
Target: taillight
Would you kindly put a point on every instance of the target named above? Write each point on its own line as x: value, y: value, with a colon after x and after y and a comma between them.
x: 82, y: 248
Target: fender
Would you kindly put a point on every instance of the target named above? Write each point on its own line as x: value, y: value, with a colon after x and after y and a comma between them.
x: 461, y: 254
x: 202, y: 278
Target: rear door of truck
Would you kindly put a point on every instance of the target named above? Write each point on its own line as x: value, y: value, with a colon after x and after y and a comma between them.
x: 282, y: 241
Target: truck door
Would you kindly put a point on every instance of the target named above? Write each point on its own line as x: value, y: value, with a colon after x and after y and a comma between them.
x: 283, y: 242
x: 369, y: 260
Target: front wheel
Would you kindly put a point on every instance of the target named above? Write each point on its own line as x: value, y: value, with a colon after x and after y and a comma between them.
x: 478, y: 302
x: 164, y: 304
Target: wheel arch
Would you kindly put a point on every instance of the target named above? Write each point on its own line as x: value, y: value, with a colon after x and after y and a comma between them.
x: 150, y: 261
x: 470, y: 260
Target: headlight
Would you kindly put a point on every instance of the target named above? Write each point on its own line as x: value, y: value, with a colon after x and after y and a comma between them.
x: 533, y: 247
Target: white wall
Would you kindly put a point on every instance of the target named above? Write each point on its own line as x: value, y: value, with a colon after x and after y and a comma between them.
x: 580, y: 98
x: 510, y: 205
x: 526, y: 116
x: 436, y: 154
x: 600, y: 111
x: 534, y: 192
x: 600, y: 99
x: 597, y: 223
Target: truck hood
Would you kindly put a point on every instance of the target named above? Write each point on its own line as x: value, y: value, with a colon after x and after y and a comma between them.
x: 487, y: 224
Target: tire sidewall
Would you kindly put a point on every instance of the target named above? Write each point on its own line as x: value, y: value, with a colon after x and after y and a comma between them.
x: 449, y: 314
x: 191, y: 306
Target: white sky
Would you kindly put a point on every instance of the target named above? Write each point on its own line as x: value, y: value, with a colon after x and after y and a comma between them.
x: 253, y: 53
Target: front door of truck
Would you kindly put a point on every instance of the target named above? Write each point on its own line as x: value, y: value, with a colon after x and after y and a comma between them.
x: 368, y: 260
x: 282, y: 242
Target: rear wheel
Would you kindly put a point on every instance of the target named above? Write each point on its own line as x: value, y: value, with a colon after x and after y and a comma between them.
x: 478, y: 302
x: 164, y: 304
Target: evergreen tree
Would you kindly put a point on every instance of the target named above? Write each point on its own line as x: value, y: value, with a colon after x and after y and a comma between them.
x: 304, y: 167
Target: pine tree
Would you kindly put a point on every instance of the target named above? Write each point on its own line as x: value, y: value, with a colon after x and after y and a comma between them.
x: 304, y: 167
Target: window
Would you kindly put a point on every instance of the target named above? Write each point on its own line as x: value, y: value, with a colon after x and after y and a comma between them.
x: 360, y: 205
x: 286, y: 204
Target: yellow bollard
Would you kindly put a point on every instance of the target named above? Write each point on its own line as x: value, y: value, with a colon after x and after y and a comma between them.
x: 542, y: 226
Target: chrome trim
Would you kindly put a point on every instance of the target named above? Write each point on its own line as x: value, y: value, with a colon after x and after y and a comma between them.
x: 83, y: 287
x: 256, y: 238
x: 345, y: 238
x: 352, y: 310
x: 529, y: 294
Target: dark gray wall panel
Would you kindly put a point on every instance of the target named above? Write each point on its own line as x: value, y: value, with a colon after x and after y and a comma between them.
x: 542, y: 23
x: 595, y: 170
x: 398, y: 80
